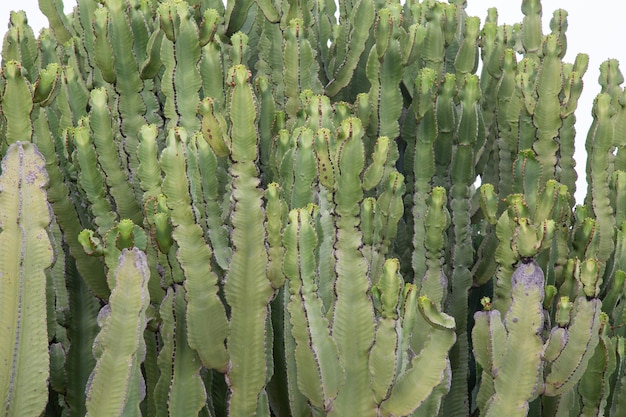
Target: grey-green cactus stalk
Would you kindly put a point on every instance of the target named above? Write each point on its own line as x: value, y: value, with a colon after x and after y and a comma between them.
x: 306, y: 209
x: 26, y: 254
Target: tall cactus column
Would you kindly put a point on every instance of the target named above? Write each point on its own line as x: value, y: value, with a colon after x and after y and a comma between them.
x: 247, y: 288
x: 353, y: 315
x: 25, y: 252
x: 509, y: 351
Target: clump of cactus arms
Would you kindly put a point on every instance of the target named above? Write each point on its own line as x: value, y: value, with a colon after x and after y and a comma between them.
x: 279, y: 208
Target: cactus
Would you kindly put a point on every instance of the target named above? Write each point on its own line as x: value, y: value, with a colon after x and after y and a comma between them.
x: 26, y: 253
x: 267, y: 208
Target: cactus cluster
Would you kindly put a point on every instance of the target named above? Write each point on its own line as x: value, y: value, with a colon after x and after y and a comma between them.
x: 280, y: 208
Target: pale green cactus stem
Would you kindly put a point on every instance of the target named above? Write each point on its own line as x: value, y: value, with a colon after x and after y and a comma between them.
x: 398, y: 309
x: 298, y: 169
x: 610, y: 78
x: 270, y: 63
x: 72, y: 100
x: 276, y: 210
x: 47, y: 85
x: 152, y: 64
x: 319, y: 371
x: 558, y: 26
x: 26, y: 252
x: 53, y: 10
x: 180, y: 389
x: 83, y: 24
x: 466, y: 60
x: 511, y: 351
x: 211, y: 173
x: 354, y: 32
x: 120, y: 347
x: 319, y: 112
x: 532, y: 36
x: 92, y: 180
x: 488, y: 329
x: 239, y: 52
x: 594, y: 386
x: 434, y: 283
x: 123, y: 234
x: 352, y: 315
x: 411, y: 51
x: 128, y: 84
x: 423, y: 163
x: 386, y: 359
x: 414, y: 388
x: 247, y: 288
x: 57, y: 295
x: 16, y: 104
x: 554, y: 204
x: 447, y: 121
x: 91, y: 268
x: 522, y: 231
x: 599, y: 166
x: 102, y: 129
x: 507, y: 117
x: 79, y: 360
x: 20, y: 45
x: 618, y: 262
x: 434, y: 48
x: 236, y: 15
x: 47, y: 45
x: 149, y: 170
x: 387, y: 211
x: 453, y: 20
x: 103, y: 51
x: 207, y: 326
x: 572, y: 89
x: 489, y: 36
x: 462, y: 253
x: 158, y: 218
x: 385, y: 74
x: 180, y: 54
x: 267, y: 112
x: 618, y: 195
x: 214, y: 127
x: 325, y: 147
x: 300, y: 66
x: 547, y: 115
x: 572, y: 346
x: 527, y: 73
x: 585, y: 235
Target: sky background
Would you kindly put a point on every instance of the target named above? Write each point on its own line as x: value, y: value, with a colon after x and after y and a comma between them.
x: 595, y: 28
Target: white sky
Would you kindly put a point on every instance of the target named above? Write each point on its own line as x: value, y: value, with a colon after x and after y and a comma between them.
x: 595, y: 28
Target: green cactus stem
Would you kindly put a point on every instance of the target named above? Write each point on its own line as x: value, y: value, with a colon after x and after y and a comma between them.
x: 247, y: 288
x: 511, y: 351
x: 120, y: 347
x: 206, y: 317
x: 320, y: 374
x: 26, y: 252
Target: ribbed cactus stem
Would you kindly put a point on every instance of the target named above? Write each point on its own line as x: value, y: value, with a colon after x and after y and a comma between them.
x: 521, y: 356
x: 25, y: 251
x: 16, y: 104
x: 247, y: 288
x: 119, y: 347
x: 353, y: 315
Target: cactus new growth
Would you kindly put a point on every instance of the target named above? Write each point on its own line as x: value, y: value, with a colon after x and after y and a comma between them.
x: 267, y: 208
